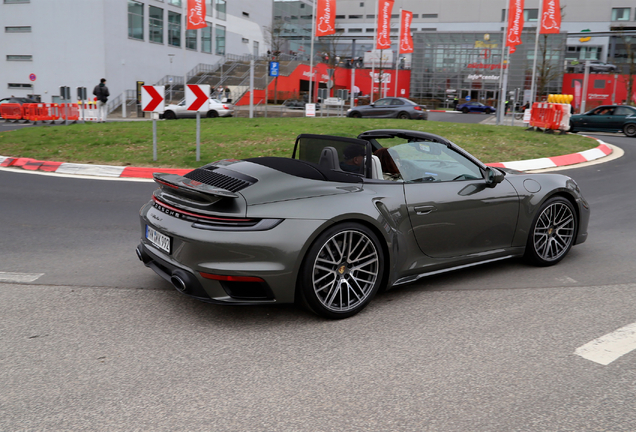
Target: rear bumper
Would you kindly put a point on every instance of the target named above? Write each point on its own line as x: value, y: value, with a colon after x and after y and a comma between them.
x: 273, y: 255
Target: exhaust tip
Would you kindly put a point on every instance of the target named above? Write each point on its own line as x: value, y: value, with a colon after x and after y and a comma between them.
x: 179, y: 284
x: 139, y: 255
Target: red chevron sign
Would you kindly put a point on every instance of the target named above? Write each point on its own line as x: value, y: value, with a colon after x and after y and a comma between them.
x: 197, y: 97
x: 152, y: 98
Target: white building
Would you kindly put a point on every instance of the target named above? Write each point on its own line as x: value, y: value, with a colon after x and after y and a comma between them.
x: 45, y: 44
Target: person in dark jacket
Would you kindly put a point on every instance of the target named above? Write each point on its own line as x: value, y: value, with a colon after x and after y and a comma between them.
x: 101, y: 93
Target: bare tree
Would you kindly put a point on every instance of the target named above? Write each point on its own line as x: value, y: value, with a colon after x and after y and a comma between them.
x: 547, y: 70
x: 628, y: 79
x: 330, y: 51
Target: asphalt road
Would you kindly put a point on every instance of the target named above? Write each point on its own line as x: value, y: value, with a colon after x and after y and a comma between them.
x: 98, y: 342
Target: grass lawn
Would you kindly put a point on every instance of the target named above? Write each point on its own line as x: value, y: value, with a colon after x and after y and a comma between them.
x: 130, y: 143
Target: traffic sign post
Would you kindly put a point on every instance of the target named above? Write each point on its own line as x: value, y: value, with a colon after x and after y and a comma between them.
x: 198, y: 99
x: 153, y: 100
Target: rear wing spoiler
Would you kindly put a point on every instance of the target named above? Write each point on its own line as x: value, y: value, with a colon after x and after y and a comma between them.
x: 178, y: 182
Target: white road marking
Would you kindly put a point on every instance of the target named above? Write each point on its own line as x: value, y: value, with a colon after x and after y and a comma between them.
x: 19, y: 277
x: 566, y: 279
x: 608, y: 348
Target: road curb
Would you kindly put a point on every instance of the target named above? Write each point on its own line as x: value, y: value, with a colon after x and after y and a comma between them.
x: 596, y: 153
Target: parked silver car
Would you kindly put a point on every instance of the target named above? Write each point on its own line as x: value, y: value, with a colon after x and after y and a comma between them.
x: 216, y: 109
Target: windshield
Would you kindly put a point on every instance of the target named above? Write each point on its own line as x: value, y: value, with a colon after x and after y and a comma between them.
x: 429, y: 161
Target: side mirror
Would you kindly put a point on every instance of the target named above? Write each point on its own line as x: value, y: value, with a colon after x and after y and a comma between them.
x: 493, y: 177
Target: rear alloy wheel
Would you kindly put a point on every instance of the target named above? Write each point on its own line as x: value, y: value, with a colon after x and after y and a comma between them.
x: 403, y: 116
x: 212, y: 114
x: 552, y: 233
x: 169, y: 115
x: 342, y: 271
x: 465, y: 110
x: 630, y: 130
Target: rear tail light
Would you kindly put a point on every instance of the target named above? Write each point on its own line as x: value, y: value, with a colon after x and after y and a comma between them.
x: 226, y: 107
x: 417, y: 108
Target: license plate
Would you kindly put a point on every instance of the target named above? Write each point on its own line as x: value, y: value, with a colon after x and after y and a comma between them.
x: 156, y: 238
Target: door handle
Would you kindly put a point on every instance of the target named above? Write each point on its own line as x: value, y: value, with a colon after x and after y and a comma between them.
x: 424, y: 210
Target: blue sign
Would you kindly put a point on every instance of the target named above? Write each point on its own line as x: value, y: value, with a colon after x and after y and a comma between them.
x: 467, y: 98
x: 273, y: 68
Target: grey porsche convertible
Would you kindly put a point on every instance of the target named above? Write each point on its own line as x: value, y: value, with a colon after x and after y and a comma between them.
x: 344, y: 218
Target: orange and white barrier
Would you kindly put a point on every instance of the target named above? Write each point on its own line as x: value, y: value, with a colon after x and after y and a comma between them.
x: 11, y: 111
x: 554, y: 116
x: 88, y: 111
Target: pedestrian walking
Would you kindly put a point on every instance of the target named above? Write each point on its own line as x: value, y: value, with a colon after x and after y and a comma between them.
x: 101, y: 93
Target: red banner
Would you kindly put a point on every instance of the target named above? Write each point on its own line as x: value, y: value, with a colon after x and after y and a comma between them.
x: 325, y: 17
x: 406, y: 41
x: 383, y: 36
x: 196, y: 14
x: 515, y: 24
x: 551, y: 19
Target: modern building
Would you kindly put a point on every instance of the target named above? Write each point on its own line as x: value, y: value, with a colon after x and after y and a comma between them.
x: 45, y: 44
x: 453, y: 38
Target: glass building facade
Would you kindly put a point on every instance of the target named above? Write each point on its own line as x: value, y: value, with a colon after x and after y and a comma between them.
x: 462, y: 65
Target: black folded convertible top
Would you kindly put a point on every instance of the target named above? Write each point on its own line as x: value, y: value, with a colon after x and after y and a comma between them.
x: 304, y: 169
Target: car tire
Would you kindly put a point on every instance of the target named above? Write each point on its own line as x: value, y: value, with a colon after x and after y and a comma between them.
x: 212, y: 114
x: 342, y: 271
x: 552, y: 232
x: 488, y: 111
x: 465, y: 110
x: 355, y: 114
x: 169, y: 115
x: 403, y: 116
x: 630, y: 130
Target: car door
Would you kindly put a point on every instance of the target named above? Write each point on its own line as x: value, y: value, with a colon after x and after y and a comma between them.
x: 594, y: 120
x: 395, y: 107
x: 452, y: 209
x: 381, y: 108
x: 619, y: 116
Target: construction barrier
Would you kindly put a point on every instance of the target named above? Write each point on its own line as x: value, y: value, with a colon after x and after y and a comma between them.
x: 553, y: 116
x: 49, y: 112
x: 11, y: 111
x: 69, y: 112
x: 88, y: 111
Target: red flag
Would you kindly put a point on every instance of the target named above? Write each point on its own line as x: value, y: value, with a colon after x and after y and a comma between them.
x: 325, y: 17
x: 196, y: 14
x: 551, y: 19
x: 385, y: 7
x: 406, y: 41
x: 515, y: 24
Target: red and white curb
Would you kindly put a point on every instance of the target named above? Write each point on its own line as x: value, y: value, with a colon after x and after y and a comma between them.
x: 85, y: 169
x: 136, y: 172
x: 558, y: 161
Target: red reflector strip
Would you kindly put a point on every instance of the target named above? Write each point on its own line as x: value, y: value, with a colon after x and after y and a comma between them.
x: 167, y: 184
x: 231, y: 278
x: 212, y: 218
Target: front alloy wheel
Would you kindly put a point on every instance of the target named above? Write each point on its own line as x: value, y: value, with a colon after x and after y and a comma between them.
x: 552, y: 233
x: 342, y: 271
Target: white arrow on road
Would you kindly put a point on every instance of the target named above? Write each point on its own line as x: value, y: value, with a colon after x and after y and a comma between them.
x: 608, y: 348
